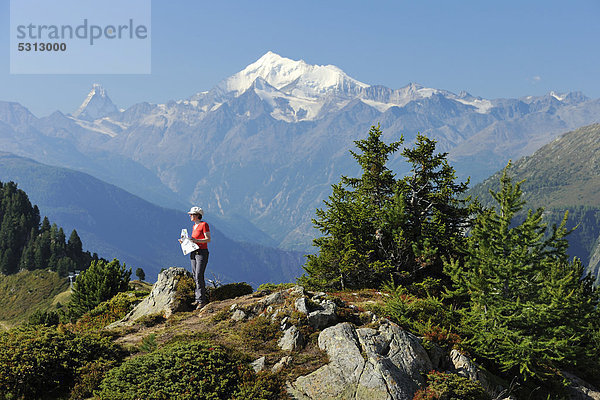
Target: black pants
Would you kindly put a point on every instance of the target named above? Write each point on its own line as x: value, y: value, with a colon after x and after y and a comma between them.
x: 199, y: 259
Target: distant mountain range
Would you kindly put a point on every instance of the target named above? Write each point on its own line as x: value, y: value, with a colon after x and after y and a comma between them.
x: 115, y: 223
x: 563, y: 175
x: 260, y: 150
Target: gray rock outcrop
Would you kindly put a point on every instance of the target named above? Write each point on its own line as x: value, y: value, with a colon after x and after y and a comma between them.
x: 324, y: 316
x: 579, y: 389
x: 365, y: 364
x: 161, y: 300
x: 291, y: 339
x: 468, y: 369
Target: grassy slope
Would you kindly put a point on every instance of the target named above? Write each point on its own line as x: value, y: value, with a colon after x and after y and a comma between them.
x: 23, y: 293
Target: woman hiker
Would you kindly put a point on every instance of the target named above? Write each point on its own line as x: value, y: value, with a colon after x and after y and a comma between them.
x: 199, y: 257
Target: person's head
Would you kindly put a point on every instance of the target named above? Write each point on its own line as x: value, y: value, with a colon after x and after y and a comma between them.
x: 196, y: 213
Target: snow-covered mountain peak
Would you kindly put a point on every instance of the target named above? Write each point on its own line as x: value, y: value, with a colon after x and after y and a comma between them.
x: 96, y: 105
x: 293, y: 77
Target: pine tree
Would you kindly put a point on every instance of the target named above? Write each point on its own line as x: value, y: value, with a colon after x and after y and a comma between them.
x: 427, y: 222
x: 528, y: 309
x: 17, y: 218
x: 377, y: 226
x: 100, y: 282
x: 348, y: 255
x: 140, y: 274
x: 74, y: 245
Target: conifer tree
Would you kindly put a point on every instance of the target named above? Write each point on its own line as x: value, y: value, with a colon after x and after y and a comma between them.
x: 428, y: 218
x: 100, y: 282
x: 528, y: 309
x: 377, y: 226
x: 140, y: 274
x: 347, y: 255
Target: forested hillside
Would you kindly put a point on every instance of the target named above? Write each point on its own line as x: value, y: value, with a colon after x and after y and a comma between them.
x: 25, y: 244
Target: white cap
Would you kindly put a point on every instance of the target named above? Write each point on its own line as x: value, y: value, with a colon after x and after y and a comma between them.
x: 196, y: 210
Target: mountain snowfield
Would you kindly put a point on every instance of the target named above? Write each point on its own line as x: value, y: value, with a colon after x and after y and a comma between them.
x: 260, y: 150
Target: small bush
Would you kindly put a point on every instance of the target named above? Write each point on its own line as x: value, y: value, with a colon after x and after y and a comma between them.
x: 43, y: 362
x: 419, y: 314
x: 109, y: 311
x: 184, y: 293
x: 47, y: 318
x: 274, y: 287
x: 257, y: 331
x: 150, y: 320
x: 185, y: 371
x: 261, y: 386
x: 450, y: 387
x: 89, y: 378
x: 229, y: 291
x: 442, y: 337
x: 149, y: 343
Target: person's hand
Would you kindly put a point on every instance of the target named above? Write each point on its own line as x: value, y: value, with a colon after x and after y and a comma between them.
x: 180, y: 240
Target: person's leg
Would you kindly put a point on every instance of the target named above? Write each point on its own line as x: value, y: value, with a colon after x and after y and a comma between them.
x: 195, y: 262
x: 201, y: 261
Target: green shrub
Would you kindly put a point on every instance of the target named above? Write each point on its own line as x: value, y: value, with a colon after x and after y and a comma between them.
x: 229, y: 291
x: 419, y: 314
x: 185, y: 371
x: 43, y: 362
x: 261, y: 386
x: 184, y: 293
x: 149, y: 320
x: 148, y: 343
x: 48, y: 318
x: 89, y: 378
x: 100, y: 282
x: 257, y: 331
x: 450, y: 387
x: 274, y: 287
x: 109, y: 311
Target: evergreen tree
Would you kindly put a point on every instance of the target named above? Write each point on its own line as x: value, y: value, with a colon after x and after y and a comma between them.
x: 140, y: 274
x: 428, y: 218
x: 27, y: 261
x: 74, y: 246
x: 17, y: 218
x: 528, y: 310
x: 42, y: 249
x: 100, y: 282
x: 376, y: 225
x: 347, y: 255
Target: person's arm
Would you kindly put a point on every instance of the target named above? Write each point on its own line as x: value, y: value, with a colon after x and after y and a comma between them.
x: 205, y: 240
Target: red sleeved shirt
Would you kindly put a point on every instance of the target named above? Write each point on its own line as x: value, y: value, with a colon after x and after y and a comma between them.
x: 198, y: 233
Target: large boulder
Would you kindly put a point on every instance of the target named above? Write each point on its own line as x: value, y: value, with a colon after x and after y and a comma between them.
x: 365, y: 363
x: 163, y: 298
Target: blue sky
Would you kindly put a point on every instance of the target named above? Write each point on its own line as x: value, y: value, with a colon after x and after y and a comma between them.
x: 491, y: 49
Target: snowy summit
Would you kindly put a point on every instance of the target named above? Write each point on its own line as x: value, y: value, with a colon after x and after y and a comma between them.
x: 293, y: 77
x: 96, y: 105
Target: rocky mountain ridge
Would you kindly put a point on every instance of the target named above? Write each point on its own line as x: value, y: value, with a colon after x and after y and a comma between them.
x: 264, y: 146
